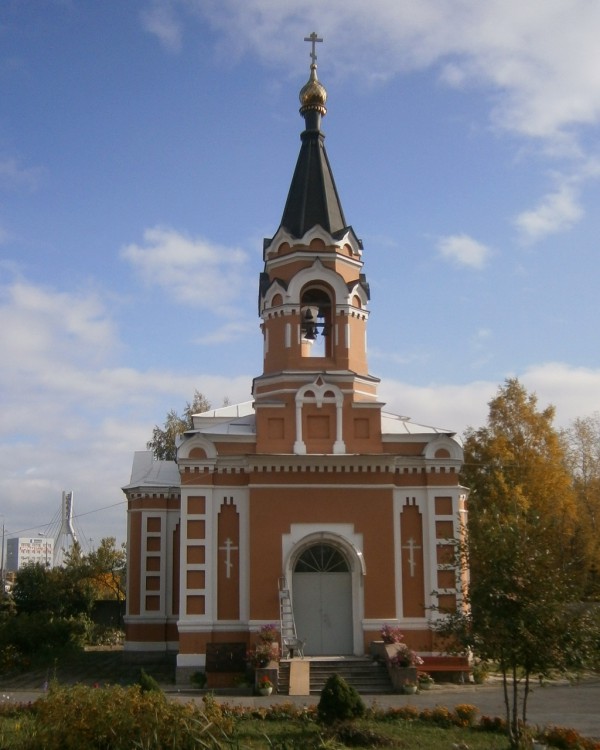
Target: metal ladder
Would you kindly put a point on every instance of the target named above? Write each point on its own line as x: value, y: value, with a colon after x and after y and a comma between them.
x: 290, y: 643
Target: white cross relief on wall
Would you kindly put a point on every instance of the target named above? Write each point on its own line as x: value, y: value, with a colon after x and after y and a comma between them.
x: 228, y: 548
x: 411, y: 546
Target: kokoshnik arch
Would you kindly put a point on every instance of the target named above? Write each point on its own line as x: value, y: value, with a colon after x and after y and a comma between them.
x: 311, y: 481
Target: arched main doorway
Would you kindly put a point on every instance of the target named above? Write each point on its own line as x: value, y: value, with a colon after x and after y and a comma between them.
x: 322, y: 600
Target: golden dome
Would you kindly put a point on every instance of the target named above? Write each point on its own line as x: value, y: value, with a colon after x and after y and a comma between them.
x: 313, y: 94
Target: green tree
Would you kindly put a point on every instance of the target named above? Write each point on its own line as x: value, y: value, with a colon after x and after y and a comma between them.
x: 582, y: 448
x: 106, y: 569
x: 34, y: 589
x: 520, y: 527
x: 55, y: 592
x: 517, y: 611
x: 163, y: 442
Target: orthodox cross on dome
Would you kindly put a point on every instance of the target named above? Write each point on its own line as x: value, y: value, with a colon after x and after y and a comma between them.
x: 411, y: 546
x: 228, y: 548
x: 313, y: 39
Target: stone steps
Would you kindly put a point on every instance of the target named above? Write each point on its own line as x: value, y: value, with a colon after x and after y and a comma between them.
x: 365, y: 675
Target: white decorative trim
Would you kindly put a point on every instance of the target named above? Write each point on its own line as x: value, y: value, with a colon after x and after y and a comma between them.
x: 196, y: 441
x: 344, y: 537
x: 447, y: 443
x: 319, y: 390
x: 315, y: 232
x: 318, y: 274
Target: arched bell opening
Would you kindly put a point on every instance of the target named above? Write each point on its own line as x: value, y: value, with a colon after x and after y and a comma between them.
x: 316, y: 325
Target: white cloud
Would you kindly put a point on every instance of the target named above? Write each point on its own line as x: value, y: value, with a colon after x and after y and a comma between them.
x: 540, y: 59
x: 556, y: 212
x: 229, y: 332
x: 572, y: 390
x: 160, y: 21
x: 12, y: 174
x: 464, y: 250
x: 71, y: 417
x: 192, y: 271
x: 561, y: 208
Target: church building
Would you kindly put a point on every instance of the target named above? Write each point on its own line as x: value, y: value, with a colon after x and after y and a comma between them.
x: 311, y: 490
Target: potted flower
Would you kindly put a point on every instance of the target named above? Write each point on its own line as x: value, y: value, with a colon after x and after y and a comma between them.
x: 268, y: 633
x: 402, y: 667
x: 265, y: 686
x: 409, y: 687
x: 260, y: 655
x: 424, y: 681
x: 405, y: 657
x: 390, y: 634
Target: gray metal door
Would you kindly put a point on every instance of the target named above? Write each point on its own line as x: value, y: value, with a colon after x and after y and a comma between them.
x: 322, y: 598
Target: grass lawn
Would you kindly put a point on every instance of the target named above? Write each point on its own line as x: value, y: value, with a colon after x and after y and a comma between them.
x: 408, y: 735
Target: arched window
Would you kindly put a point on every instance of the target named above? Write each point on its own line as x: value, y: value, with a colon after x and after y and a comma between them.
x: 322, y: 558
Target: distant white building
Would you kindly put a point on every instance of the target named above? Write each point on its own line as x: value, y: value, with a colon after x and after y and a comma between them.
x: 21, y: 551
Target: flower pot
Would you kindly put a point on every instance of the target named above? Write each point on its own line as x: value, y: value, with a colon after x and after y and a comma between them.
x: 425, y: 685
x: 401, y: 675
x: 265, y: 690
x: 409, y: 689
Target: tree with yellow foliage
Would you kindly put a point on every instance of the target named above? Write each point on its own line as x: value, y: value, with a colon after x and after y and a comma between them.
x: 516, y: 466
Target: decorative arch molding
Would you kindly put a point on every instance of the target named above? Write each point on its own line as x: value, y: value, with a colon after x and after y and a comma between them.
x: 349, y: 548
x: 320, y: 392
x: 358, y: 290
x: 282, y: 236
x: 318, y: 274
x: 186, y: 448
x: 276, y: 287
x: 443, y: 448
x: 342, y: 537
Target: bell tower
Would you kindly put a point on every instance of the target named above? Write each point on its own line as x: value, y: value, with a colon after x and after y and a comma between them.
x: 315, y: 394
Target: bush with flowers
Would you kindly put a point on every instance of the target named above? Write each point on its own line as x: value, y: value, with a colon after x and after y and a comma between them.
x: 405, y: 657
x: 268, y: 633
x: 260, y: 655
x: 390, y: 634
x: 266, y: 649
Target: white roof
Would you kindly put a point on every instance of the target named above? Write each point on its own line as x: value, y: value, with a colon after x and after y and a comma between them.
x: 146, y: 471
x: 392, y: 424
x: 239, y: 419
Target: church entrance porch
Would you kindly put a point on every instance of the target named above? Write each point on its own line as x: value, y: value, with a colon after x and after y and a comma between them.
x: 322, y: 599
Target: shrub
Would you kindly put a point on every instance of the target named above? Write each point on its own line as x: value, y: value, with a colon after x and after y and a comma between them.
x: 118, y: 718
x: 567, y: 739
x: 37, y: 634
x: 492, y: 724
x: 404, y: 713
x: 352, y: 736
x: 147, y: 683
x: 465, y: 715
x: 339, y: 701
x: 439, y: 715
x: 480, y: 671
x: 198, y: 679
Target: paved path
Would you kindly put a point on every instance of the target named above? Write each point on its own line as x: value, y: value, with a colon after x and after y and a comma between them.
x: 576, y: 706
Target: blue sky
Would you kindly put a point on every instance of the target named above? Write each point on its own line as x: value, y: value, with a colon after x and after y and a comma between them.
x: 146, y: 148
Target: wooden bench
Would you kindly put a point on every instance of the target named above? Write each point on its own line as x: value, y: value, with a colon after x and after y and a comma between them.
x: 446, y: 664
